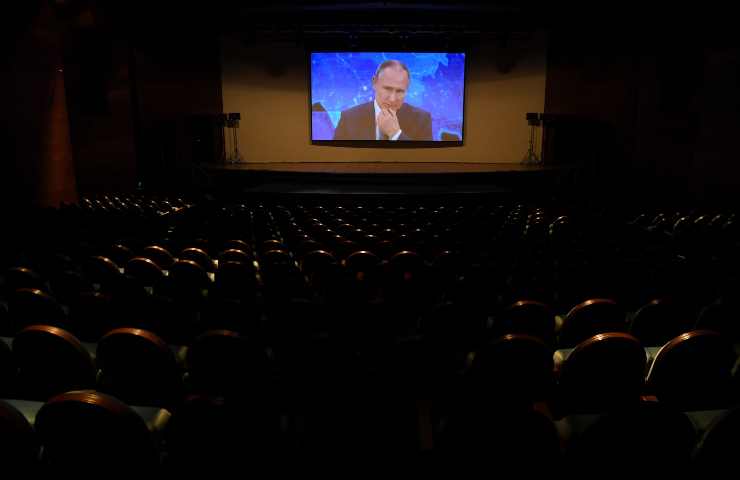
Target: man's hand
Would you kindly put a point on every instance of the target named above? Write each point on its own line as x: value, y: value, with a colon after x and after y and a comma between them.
x: 388, y: 122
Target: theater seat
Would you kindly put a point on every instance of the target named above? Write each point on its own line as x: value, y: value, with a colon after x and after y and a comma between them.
x: 445, y: 268
x: 648, y: 438
x: 238, y: 244
x: 716, y: 452
x: 138, y: 367
x: 271, y: 244
x: 67, y: 284
x: 405, y: 274
x: 527, y: 317
x: 92, y: 314
x: 521, y: 439
x: 281, y: 276
x: 120, y: 253
x: 384, y: 248
x: 144, y: 271
x: 694, y: 371
x: 27, y: 306
x: 275, y: 256
x: 322, y: 271
x: 234, y: 255
x: 361, y: 270
x: 22, y: 277
x: 603, y: 373
x: 103, y: 272
x: 598, y: 315
x: 187, y: 279
x: 235, y: 279
x: 512, y: 370
x: 19, y: 446
x: 159, y: 255
x: 318, y: 263
x: 307, y: 245
x: 199, y: 256
x: 659, y: 321
x: 220, y: 436
x: 361, y: 261
x: 222, y: 362
x: 50, y: 361
x: 7, y: 370
x: 82, y: 430
x: 720, y: 316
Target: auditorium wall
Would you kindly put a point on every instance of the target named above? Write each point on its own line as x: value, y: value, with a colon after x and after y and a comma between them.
x: 670, y: 107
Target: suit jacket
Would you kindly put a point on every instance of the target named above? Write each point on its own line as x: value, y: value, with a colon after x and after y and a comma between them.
x: 358, y: 123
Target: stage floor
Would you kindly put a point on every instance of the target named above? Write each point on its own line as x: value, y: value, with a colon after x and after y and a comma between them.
x: 364, y: 168
x: 371, y: 178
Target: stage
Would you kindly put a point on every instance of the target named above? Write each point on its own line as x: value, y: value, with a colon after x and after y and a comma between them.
x: 387, y: 177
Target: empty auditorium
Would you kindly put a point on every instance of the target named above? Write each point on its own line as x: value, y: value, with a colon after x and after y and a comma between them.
x: 365, y: 239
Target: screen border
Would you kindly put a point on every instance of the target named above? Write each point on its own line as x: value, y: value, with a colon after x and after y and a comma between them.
x: 385, y: 144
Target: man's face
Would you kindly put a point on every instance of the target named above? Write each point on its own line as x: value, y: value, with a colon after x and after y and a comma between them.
x: 390, y: 87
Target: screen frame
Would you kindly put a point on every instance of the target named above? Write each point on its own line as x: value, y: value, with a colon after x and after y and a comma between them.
x: 377, y: 143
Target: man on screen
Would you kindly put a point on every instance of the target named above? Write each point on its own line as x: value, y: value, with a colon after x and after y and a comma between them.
x: 386, y: 117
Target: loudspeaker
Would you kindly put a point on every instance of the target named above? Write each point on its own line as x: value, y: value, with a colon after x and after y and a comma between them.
x: 205, y: 138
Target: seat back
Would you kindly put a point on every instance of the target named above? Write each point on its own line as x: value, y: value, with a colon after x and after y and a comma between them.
x: 28, y: 306
x: 694, y: 371
x: 234, y: 255
x: 602, y: 373
x: 145, y: 271
x: 222, y: 362
x: 475, y: 440
x: 513, y: 369
x: 103, y: 271
x: 720, y: 316
x: 138, y: 367
x: 405, y: 277
x: 19, y: 447
x: 120, y: 253
x: 50, y: 361
x: 528, y: 317
x: 199, y: 256
x: 22, y: 277
x: 659, y: 321
x: 237, y: 244
x: 649, y: 437
x: 589, y: 318
x: 88, y: 429
x: 235, y: 280
x: 188, y: 279
x: 716, y: 451
x: 7, y: 370
x: 159, y: 255
x: 92, y: 314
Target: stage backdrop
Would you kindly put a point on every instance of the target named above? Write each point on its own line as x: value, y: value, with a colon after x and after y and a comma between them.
x: 269, y: 85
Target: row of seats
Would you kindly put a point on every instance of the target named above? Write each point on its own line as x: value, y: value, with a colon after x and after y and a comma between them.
x: 90, y: 429
x: 187, y: 301
x: 518, y: 251
x: 694, y: 371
